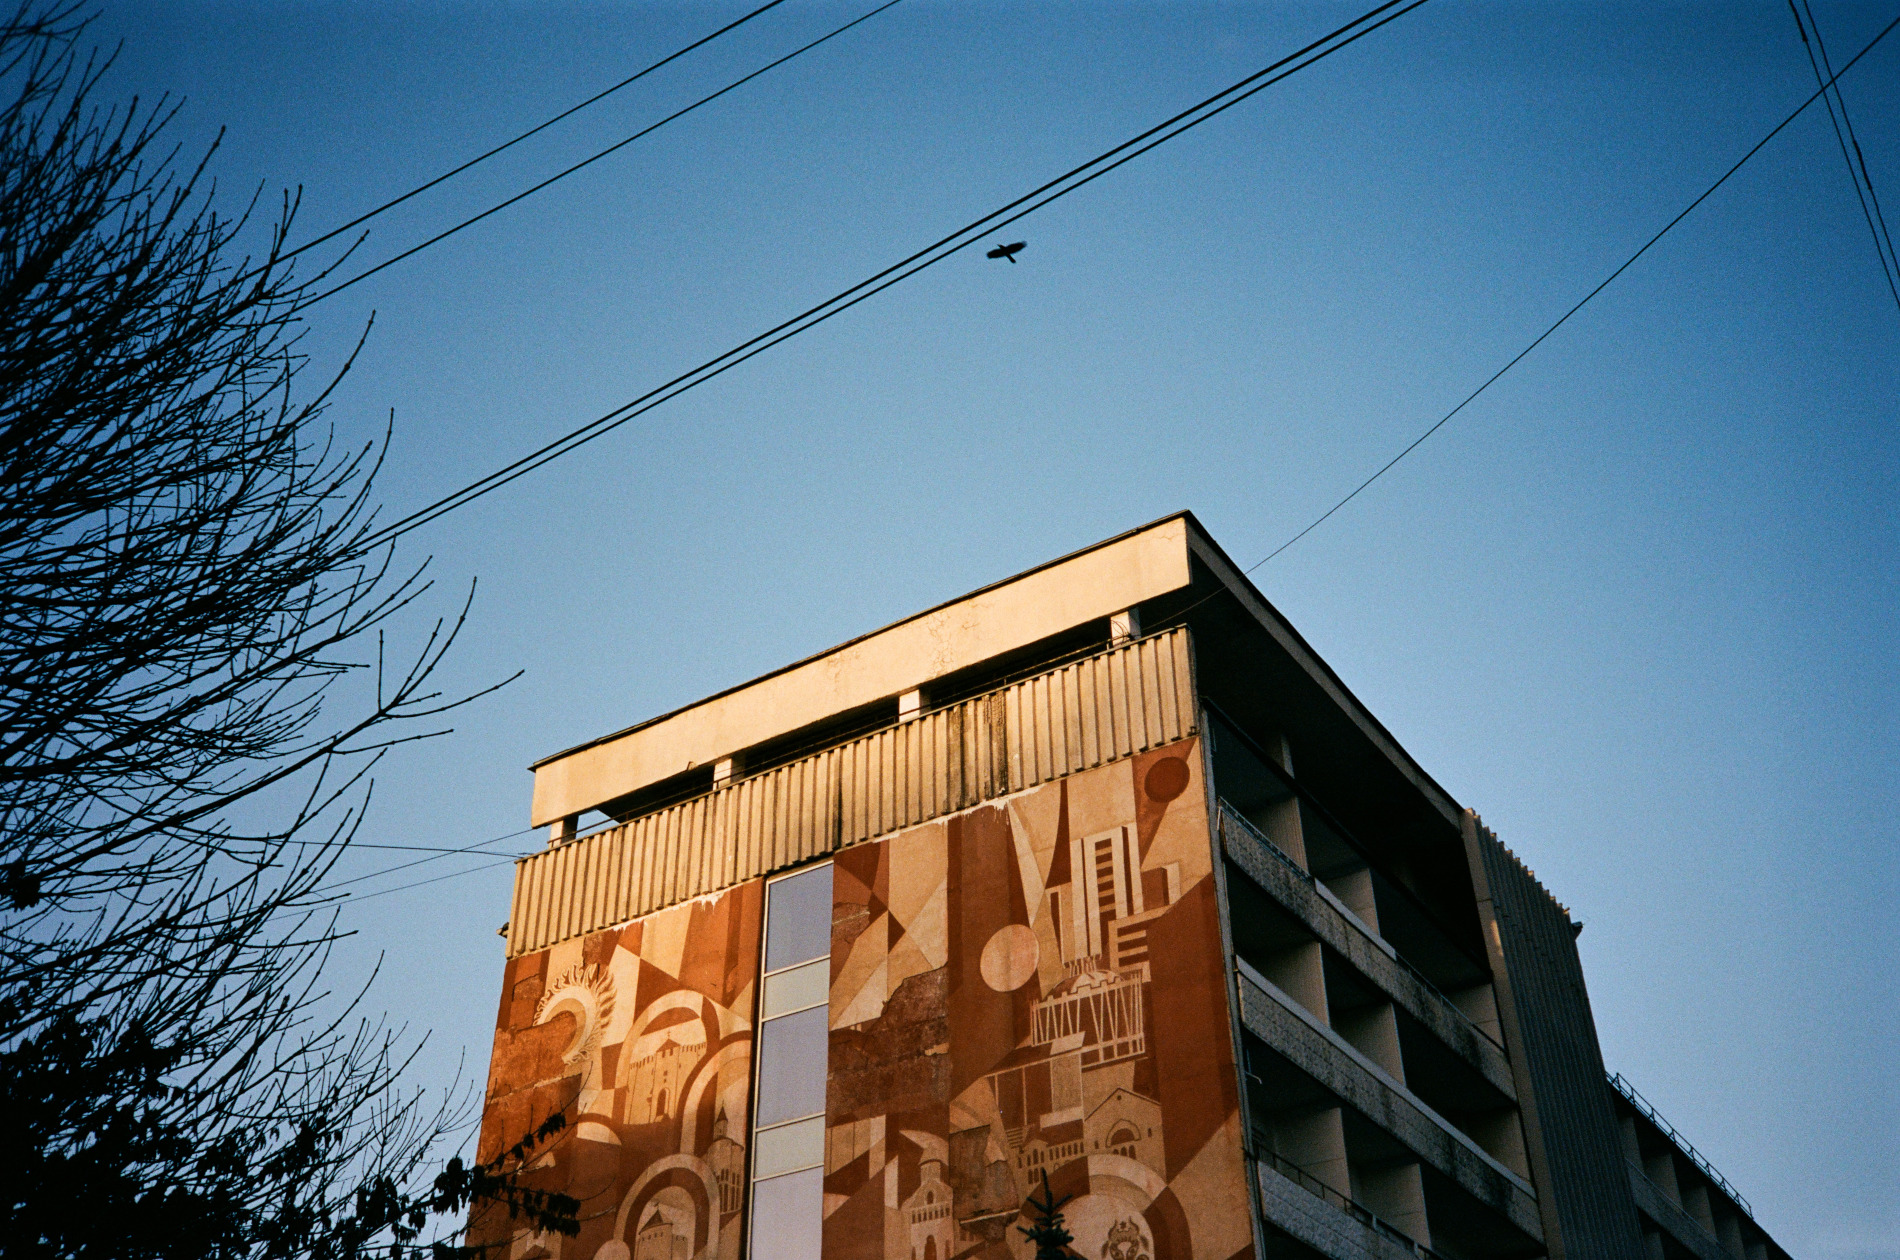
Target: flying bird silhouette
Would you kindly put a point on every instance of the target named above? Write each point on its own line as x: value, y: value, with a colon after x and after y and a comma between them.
x: 1007, y: 251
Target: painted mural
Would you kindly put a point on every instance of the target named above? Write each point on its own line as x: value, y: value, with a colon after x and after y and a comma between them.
x: 1036, y: 987
x: 1031, y: 987
x: 642, y: 1036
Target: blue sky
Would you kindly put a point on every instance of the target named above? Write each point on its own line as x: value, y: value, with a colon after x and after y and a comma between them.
x: 1636, y: 606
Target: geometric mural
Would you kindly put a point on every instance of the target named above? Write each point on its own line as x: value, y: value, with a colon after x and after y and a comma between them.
x: 1036, y: 986
x: 643, y: 1036
x: 1031, y: 986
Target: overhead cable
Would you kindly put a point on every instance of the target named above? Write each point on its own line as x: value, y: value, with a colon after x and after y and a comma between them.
x: 1861, y: 178
x: 391, y: 204
x: 929, y: 256
x: 353, y: 898
x: 479, y: 849
x: 1565, y: 317
x: 558, y: 176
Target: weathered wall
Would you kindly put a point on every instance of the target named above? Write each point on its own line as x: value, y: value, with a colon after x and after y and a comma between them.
x: 1576, y: 1152
x: 1036, y: 986
x: 642, y: 1035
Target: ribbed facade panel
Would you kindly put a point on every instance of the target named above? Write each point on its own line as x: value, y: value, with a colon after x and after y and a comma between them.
x: 1102, y: 708
x: 1588, y: 1182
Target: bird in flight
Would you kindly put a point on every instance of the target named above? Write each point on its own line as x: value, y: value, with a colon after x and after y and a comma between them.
x: 1007, y: 251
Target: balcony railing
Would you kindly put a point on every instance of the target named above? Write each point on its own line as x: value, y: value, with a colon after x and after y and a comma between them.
x: 1345, y: 1203
x: 1682, y: 1143
x: 1229, y: 816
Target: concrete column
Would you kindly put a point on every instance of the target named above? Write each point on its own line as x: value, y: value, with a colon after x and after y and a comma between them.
x: 1480, y: 1005
x: 1124, y: 625
x: 1695, y: 1201
x: 1300, y: 972
x: 1397, y: 1195
x: 563, y: 831
x: 1661, y: 1169
x: 1374, y: 1032
x: 1728, y: 1228
x: 1501, y: 1134
x: 910, y: 704
x: 726, y: 769
x: 1355, y: 889
x: 1281, y: 822
x: 1632, y: 1149
x: 1653, y: 1244
x: 1316, y: 1142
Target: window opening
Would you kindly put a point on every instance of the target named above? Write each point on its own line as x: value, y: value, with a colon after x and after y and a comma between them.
x: 788, y: 1135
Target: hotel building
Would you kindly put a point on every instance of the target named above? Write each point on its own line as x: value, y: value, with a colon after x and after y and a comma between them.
x: 1098, y: 875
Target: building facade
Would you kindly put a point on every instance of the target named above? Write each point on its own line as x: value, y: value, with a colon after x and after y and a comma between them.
x: 1097, y: 879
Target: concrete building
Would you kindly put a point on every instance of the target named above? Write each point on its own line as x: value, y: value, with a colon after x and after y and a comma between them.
x: 1098, y: 874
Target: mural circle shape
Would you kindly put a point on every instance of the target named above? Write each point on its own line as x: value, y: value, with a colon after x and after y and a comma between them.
x: 1167, y: 779
x: 1010, y: 958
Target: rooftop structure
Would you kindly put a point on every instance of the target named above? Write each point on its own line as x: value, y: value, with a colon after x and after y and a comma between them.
x: 1098, y: 875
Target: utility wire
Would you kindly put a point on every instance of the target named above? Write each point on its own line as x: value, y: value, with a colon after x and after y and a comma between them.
x: 566, y: 113
x: 1386, y: 468
x: 924, y: 258
x: 589, y: 161
x: 478, y: 849
x: 1565, y: 317
x: 353, y: 898
x: 1876, y: 221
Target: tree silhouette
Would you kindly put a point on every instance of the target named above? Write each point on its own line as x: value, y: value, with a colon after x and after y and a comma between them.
x: 193, y: 689
x: 1051, y: 1239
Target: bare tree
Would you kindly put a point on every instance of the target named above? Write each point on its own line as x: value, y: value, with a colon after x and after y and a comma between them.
x: 184, y: 584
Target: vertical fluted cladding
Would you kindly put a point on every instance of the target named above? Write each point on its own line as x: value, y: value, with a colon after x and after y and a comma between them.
x: 1104, y: 707
x: 1589, y: 1183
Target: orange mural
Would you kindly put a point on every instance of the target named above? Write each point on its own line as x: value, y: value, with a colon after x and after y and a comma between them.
x: 642, y: 1036
x: 1036, y: 987
x: 1030, y: 987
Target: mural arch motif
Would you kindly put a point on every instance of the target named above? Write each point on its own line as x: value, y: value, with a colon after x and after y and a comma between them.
x: 587, y: 993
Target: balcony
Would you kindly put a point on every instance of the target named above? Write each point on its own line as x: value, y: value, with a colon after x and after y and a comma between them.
x: 1343, y: 1072
x: 1336, y: 927
x: 1336, y: 1226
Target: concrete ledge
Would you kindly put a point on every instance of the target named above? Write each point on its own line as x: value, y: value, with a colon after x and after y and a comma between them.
x: 1305, y: 902
x: 1319, y: 1224
x: 1326, y: 1057
x: 1678, y: 1224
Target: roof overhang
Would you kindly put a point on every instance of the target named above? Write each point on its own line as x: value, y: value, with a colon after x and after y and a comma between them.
x: 1085, y: 586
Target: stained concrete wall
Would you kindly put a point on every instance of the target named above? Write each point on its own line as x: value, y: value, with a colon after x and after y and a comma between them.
x: 1576, y: 1149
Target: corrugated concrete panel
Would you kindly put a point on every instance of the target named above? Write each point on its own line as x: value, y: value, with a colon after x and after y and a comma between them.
x: 1570, y: 1121
x: 1090, y: 585
x: 1296, y: 893
x: 1361, y: 1085
x: 1102, y: 708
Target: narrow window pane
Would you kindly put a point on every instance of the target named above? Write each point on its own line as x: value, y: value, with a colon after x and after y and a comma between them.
x: 798, y: 919
x: 788, y: 1216
x: 800, y: 1144
x: 792, y: 1066
x: 797, y: 989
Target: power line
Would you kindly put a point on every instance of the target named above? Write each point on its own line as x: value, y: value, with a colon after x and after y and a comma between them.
x: 556, y: 178
x: 924, y: 258
x: 535, y: 130
x: 415, y: 520
x: 353, y: 898
x: 439, y: 854
x: 1565, y: 317
x: 1876, y: 221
